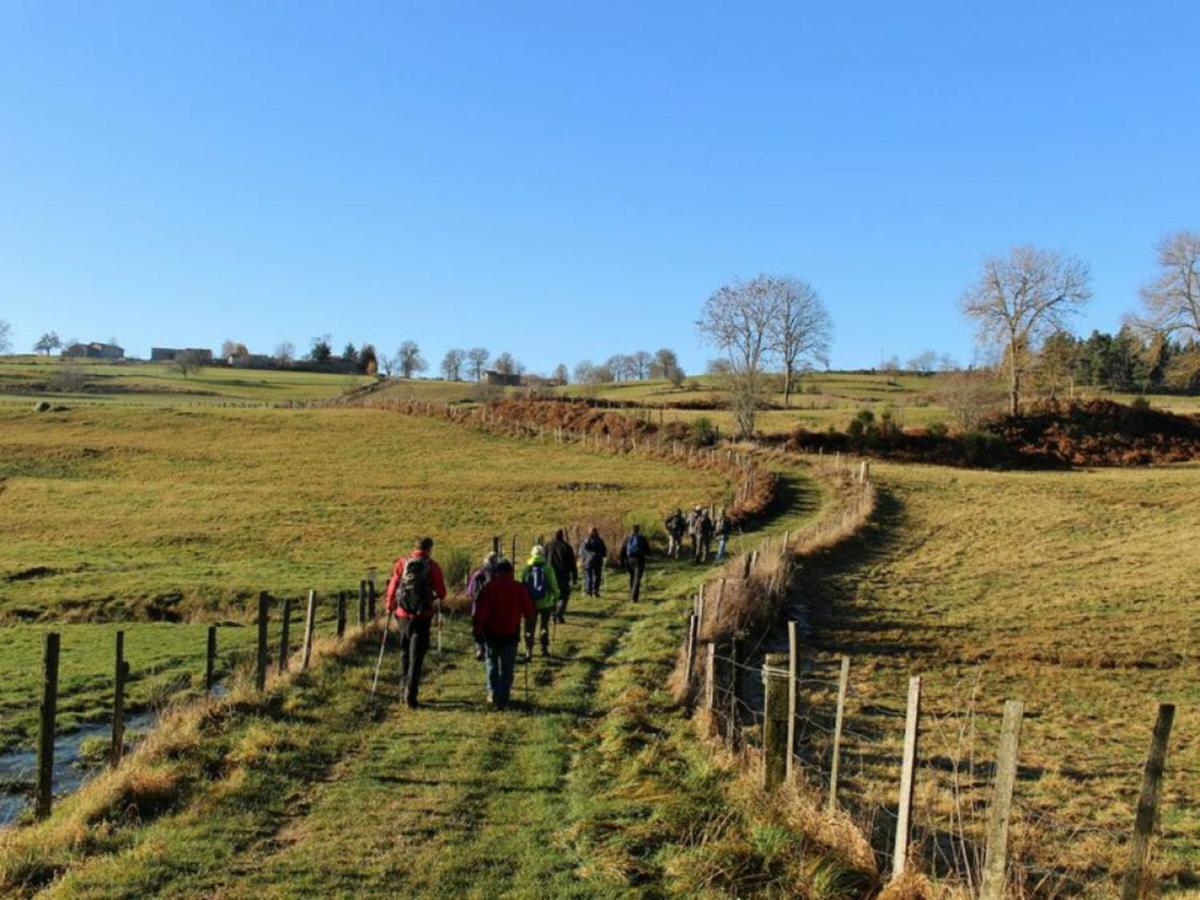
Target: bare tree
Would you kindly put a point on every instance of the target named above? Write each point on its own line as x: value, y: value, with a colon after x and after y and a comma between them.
x: 969, y: 397
x: 1019, y: 300
x: 452, y: 364
x: 388, y: 365
x: 560, y: 374
x: 187, y: 362
x: 409, y: 359
x: 800, y: 326
x: 641, y: 363
x: 285, y: 352
x: 5, y: 336
x: 923, y: 363
x: 477, y: 360
x: 506, y: 364
x: 47, y: 342
x: 738, y: 318
x: 1172, y: 301
x: 947, y: 363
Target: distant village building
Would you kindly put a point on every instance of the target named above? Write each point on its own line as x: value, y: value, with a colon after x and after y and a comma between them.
x: 504, y: 379
x: 94, y: 350
x: 253, y: 361
x: 169, y: 354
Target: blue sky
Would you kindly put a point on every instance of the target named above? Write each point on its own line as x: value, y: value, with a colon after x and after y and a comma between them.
x: 570, y: 180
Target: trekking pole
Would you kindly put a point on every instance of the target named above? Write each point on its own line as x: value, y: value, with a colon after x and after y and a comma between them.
x: 379, y: 662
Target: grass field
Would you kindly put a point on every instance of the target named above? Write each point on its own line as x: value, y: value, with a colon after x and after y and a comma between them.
x: 1074, y: 592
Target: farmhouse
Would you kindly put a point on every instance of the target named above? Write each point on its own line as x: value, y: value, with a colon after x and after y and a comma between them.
x: 506, y: 379
x: 95, y: 350
x: 169, y: 354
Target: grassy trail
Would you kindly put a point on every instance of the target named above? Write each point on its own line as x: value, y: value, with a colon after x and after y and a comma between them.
x: 335, y: 794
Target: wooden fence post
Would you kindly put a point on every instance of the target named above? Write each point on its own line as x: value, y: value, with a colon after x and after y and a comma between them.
x: 371, y: 598
x: 700, y: 612
x: 310, y: 619
x: 362, y: 604
x: 710, y: 680
x: 733, y: 698
x: 793, y: 694
x: 210, y: 659
x: 995, y: 864
x: 341, y: 614
x: 908, y: 769
x: 496, y: 545
x: 120, y: 672
x: 260, y: 670
x: 1147, y: 808
x: 775, y: 731
x: 746, y: 563
x: 45, y: 749
x: 839, y: 722
x: 285, y: 627
x: 513, y: 555
x: 690, y: 663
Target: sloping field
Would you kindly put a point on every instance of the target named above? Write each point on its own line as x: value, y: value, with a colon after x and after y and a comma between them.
x: 1074, y: 592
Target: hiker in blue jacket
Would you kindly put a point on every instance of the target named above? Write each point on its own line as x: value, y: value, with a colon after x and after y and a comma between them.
x: 634, y: 550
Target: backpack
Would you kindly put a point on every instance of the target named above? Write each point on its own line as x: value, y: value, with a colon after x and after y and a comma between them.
x: 633, y: 546
x: 416, y: 588
x: 535, y: 583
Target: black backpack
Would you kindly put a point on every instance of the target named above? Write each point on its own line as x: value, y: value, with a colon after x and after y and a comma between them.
x: 416, y: 586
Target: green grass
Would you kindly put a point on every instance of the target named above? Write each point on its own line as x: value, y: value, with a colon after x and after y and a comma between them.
x: 23, y: 379
x: 600, y: 790
x: 1073, y: 592
x: 117, y: 513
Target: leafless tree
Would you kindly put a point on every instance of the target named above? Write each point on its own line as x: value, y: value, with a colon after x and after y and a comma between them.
x: 409, y: 359
x: 560, y: 374
x: 477, y: 360
x: 641, y: 362
x: 285, y: 352
x: 666, y: 365
x: 969, y: 397
x: 506, y: 364
x: 622, y: 367
x: 923, y: 363
x: 1172, y: 301
x: 738, y: 318
x: 800, y: 326
x: 187, y: 362
x: 1018, y: 300
x: 47, y: 342
x: 388, y: 365
x: 5, y: 336
x: 452, y: 364
x: 947, y: 363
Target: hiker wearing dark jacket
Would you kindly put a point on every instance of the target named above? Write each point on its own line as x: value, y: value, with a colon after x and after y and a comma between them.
x: 475, y: 583
x: 676, y: 525
x: 593, y: 553
x: 501, y: 605
x: 634, y: 550
x: 412, y: 592
x: 561, y: 558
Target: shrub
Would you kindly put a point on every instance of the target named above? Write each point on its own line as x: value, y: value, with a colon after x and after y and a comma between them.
x: 939, y: 429
x: 704, y: 432
x: 456, y: 566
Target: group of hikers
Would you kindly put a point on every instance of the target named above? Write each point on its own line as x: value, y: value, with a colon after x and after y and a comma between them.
x: 503, y: 598
x: 700, y: 527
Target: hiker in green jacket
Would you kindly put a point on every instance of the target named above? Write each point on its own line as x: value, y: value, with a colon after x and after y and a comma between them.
x: 539, y: 579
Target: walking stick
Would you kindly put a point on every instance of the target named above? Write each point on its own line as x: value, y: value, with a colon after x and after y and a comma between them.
x: 379, y: 662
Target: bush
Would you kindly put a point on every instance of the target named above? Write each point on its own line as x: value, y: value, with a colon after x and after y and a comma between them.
x: 456, y: 566
x: 939, y: 429
x: 704, y: 432
x: 1141, y: 404
x: 982, y: 448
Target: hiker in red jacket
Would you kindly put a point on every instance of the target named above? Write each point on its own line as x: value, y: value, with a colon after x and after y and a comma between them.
x: 415, y: 588
x: 499, y: 609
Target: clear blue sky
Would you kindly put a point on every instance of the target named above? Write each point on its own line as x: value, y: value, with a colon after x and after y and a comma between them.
x: 569, y: 180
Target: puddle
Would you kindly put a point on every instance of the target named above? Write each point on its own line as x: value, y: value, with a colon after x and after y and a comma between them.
x: 18, y: 768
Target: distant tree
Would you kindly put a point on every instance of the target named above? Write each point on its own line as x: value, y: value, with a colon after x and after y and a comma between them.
x: 969, y: 397
x: 388, y: 365
x: 506, y: 364
x: 890, y: 367
x: 187, y: 362
x: 666, y: 365
x: 800, y: 329
x: 350, y: 354
x: 5, y: 336
x: 47, y: 342
x: 322, y: 349
x: 1172, y: 301
x: 641, y: 362
x: 368, y: 360
x: 234, y: 350
x: 583, y: 371
x: 409, y: 360
x: 622, y: 366
x: 285, y: 352
x: 923, y: 363
x: 452, y: 364
x: 70, y: 375
x: 477, y: 360
x: 560, y: 374
x: 1019, y: 300
x: 947, y: 363
x: 1054, y: 371
x: 738, y: 318
x: 718, y: 366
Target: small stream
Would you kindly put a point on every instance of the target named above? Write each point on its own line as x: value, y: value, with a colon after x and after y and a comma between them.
x: 18, y: 768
